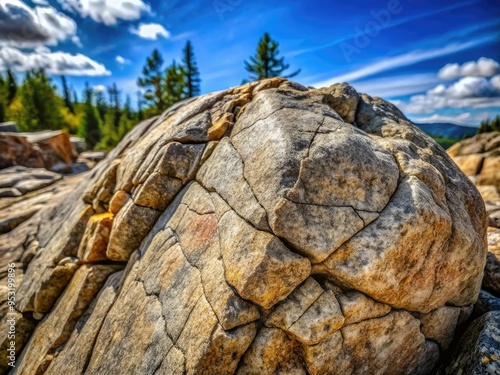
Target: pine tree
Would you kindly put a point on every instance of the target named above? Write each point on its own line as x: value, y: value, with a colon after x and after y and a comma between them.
x: 140, y: 114
x: 175, y: 78
x: 495, y: 123
x: 12, y: 86
x: 265, y: 63
x: 127, y: 108
x: 153, y: 81
x: 75, y: 98
x: 114, y: 100
x: 89, y: 127
x: 67, y: 95
x: 488, y: 125
x: 191, y: 70
x: 101, y: 104
x: 3, y: 99
x: 41, y: 107
x: 3, y: 111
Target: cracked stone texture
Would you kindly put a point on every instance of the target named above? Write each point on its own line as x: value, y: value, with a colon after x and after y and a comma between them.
x: 266, y: 229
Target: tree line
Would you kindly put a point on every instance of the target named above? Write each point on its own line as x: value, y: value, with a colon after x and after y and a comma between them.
x: 103, y: 117
x: 490, y: 125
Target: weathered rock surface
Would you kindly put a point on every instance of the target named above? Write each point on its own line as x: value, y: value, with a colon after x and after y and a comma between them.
x: 491, y: 280
x: 24, y: 191
x: 486, y: 302
x: 266, y: 229
x: 478, y: 351
x: 479, y: 158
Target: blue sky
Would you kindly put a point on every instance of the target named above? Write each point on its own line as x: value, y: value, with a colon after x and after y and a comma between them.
x: 437, y: 60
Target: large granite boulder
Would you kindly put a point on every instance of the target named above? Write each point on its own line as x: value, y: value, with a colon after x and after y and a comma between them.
x: 269, y: 228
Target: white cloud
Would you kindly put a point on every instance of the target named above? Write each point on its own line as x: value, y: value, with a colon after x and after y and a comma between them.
x: 122, y: 60
x: 107, y: 11
x: 405, y: 59
x: 40, y: 2
x: 471, y: 87
x: 468, y: 92
x: 495, y: 82
x: 52, y: 62
x: 397, y: 85
x: 25, y: 27
x: 99, y: 88
x: 150, y: 31
x: 428, y: 103
x: 483, y: 67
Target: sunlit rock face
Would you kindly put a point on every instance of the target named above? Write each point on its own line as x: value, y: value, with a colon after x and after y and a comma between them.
x: 479, y: 158
x: 266, y: 229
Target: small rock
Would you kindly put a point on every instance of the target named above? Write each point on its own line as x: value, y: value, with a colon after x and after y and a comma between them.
x: 10, y: 193
x: 478, y: 351
x: 62, y: 168
x: 118, y: 201
x: 486, y: 302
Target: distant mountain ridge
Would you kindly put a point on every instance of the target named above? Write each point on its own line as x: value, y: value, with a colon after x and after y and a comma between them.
x: 447, y: 130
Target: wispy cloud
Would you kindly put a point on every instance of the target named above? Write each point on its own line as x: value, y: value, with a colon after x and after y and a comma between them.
x: 393, y: 23
x: 395, y: 86
x: 407, y: 59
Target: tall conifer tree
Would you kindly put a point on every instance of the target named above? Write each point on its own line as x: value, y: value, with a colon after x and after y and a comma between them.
x: 191, y: 70
x: 266, y: 63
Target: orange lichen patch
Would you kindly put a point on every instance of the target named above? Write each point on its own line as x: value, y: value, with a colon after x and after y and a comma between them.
x: 220, y: 127
x: 96, y: 237
x: 118, y: 201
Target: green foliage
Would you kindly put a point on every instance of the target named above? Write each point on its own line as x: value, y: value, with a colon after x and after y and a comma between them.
x: 153, y: 80
x: 175, y: 84
x: 265, y: 63
x: 445, y: 142
x: 165, y: 87
x: 37, y: 106
x: 101, y: 105
x: 11, y: 86
x: 3, y: 99
x: 67, y: 95
x: 127, y: 108
x: 140, y: 102
x: 89, y: 127
x: 191, y: 71
x: 489, y: 125
x: 72, y: 120
x: 3, y: 111
x: 41, y: 107
x: 114, y: 100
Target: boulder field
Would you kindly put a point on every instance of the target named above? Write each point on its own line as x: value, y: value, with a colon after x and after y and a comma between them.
x: 267, y: 229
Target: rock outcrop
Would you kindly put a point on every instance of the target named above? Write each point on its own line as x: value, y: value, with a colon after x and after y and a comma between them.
x: 51, y: 150
x: 269, y: 228
x: 479, y: 158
